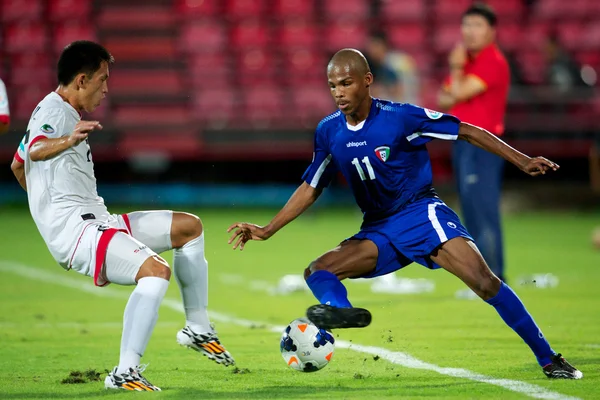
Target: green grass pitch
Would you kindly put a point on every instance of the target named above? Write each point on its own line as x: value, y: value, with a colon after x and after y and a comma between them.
x: 51, y: 327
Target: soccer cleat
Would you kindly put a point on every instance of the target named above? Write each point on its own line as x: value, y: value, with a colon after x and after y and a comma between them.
x: 328, y: 317
x: 560, y: 368
x: 130, y: 380
x: 205, y: 343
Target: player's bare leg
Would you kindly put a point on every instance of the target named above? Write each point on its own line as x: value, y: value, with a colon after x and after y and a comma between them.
x: 352, y: 258
x: 191, y: 273
x: 141, y: 314
x: 462, y: 258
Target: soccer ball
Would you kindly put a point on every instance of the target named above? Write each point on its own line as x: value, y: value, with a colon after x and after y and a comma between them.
x: 305, y: 347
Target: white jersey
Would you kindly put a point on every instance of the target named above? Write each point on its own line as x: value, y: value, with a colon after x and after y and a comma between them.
x: 4, y: 112
x: 62, y: 191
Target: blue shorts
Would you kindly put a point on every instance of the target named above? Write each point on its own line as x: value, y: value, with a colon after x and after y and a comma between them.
x: 411, y: 235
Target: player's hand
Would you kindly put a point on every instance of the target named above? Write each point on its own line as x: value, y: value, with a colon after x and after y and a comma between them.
x: 458, y: 56
x: 82, y: 130
x: 243, y: 232
x: 538, y: 166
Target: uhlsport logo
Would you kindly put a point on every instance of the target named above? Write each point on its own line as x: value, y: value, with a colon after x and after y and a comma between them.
x: 383, y: 153
x: 433, y: 114
x: 356, y: 144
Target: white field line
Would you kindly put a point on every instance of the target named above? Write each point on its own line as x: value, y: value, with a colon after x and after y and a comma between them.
x: 395, y: 357
x: 81, y: 325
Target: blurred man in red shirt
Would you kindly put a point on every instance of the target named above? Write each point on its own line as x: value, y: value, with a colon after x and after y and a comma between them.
x: 476, y: 92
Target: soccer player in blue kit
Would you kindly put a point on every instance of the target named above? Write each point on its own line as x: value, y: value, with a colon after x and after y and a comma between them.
x: 379, y: 147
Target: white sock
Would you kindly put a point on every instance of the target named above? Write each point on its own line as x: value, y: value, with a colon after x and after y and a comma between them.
x: 191, y: 273
x: 141, y: 313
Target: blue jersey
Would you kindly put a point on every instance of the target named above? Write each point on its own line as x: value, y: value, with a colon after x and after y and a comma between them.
x: 385, y: 162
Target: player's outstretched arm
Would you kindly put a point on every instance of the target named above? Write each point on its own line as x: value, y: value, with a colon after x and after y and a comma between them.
x: 300, y: 201
x: 48, y: 148
x: 18, y: 168
x: 481, y: 138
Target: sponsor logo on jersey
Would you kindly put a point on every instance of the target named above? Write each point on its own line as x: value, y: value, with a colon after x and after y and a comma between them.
x: 356, y: 144
x: 383, y: 153
x: 433, y: 114
x: 140, y: 249
x: 452, y: 225
x: 47, y: 128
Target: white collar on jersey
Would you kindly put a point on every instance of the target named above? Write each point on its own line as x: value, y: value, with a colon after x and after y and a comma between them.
x: 356, y: 127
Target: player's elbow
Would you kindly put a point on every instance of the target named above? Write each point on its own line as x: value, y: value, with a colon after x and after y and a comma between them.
x: 17, y: 168
x: 36, y: 153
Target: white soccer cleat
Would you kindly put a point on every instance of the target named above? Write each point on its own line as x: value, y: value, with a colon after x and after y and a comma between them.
x: 131, y: 380
x: 206, y: 343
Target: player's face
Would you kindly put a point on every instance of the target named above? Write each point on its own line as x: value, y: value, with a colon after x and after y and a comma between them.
x: 477, y: 33
x: 348, y: 88
x: 95, y: 88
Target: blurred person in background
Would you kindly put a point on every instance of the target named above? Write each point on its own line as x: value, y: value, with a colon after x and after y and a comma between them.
x: 476, y: 92
x: 563, y: 72
x: 395, y: 71
x: 4, y: 112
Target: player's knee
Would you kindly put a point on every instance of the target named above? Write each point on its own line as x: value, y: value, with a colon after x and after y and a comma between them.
x: 317, y: 265
x: 155, y: 266
x: 185, y: 228
x: 488, y: 285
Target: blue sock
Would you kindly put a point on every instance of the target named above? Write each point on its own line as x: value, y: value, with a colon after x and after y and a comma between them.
x: 328, y: 289
x: 513, y: 312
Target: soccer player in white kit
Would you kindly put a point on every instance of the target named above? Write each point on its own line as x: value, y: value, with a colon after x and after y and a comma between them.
x: 54, y: 165
x: 4, y: 112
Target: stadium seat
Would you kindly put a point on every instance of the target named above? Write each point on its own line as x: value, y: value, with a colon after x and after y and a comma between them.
x: 402, y: 10
x: 292, y: 9
x: 355, y: 10
x: 209, y: 70
x: 21, y: 10
x: 533, y: 65
x: 26, y: 38
x: 311, y: 103
x: 263, y: 105
x: 507, y: 10
x: 135, y: 17
x: 193, y: 9
x: 256, y: 66
x: 67, y: 33
x: 446, y: 37
x: 144, y: 82
x: 250, y: 33
x: 450, y: 12
x: 154, y: 116
x: 177, y: 144
x: 215, y: 106
x: 344, y: 33
x: 32, y: 69
x: 69, y: 10
x: 29, y: 96
x: 303, y: 65
x: 590, y: 38
x: 204, y: 36
x: 136, y: 49
x: 534, y: 36
x: 571, y: 35
x: 241, y: 9
x: 510, y: 36
x: 559, y: 9
x: 406, y: 36
x: 298, y: 33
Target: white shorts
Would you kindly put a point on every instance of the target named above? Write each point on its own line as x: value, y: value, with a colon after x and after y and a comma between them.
x: 114, y: 250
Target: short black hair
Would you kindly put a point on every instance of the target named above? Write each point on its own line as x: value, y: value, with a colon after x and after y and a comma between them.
x: 81, y: 56
x: 483, y: 10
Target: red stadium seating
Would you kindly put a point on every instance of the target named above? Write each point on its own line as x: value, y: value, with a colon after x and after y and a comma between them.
x: 216, y: 107
x: 26, y: 38
x: 193, y: 9
x: 302, y: 65
x: 356, y: 10
x: 32, y: 70
x: 345, y: 33
x: 137, y: 82
x: 292, y: 9
x: 446, y: 37
x: 450, y: 11
x: 204, y: 36
x: 403, y: 10
x: 298, y: 33
x: 263, y: 105
x: 21, y: 10
x: 67, y: 33
x: 250, y: 33
x: 69, y: 10
x: 241, y: 9
x: 311, y: 103
x: 209, y: 70
x: 256, y: 66
x: 406, y: 36
x: 510, y: 36
x: 507, y: 10
x: 135, y: 17
x: 26, y: 99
